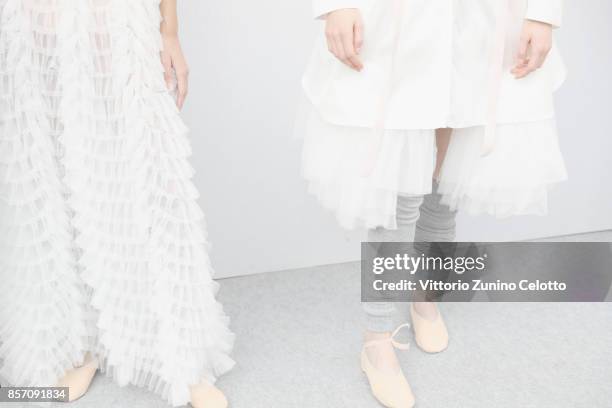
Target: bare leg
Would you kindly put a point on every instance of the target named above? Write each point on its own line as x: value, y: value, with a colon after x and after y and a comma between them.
x: 443, y: 137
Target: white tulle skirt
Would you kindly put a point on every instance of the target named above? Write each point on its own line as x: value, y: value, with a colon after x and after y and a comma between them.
x: 358, y: 173
x: 103, y: 247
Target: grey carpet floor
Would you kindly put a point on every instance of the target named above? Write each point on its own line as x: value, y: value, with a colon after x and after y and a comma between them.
x: 298, y: 341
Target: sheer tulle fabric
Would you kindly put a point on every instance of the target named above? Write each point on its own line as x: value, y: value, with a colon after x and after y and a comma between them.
x: 358, y: 173
x: 102, y: 243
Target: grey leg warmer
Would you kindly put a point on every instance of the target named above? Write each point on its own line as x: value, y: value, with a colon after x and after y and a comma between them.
x: 379, y: 315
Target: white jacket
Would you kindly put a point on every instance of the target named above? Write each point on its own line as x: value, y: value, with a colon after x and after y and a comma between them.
x: 436, y: 72
x: 548, y: 11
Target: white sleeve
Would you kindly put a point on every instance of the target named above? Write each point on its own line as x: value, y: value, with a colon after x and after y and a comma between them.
x: 546, y: 11
x: 323, y: 7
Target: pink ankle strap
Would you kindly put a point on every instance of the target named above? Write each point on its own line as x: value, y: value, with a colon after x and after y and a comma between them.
x: 391, y: 339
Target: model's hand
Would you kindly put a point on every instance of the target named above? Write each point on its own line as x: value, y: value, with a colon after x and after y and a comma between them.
x: 536, y: 42
x: 344, y: 32
x: 174, y: 62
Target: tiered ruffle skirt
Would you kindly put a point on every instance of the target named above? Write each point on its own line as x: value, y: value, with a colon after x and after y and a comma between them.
x: 103, y: 247
x: 358, y: 173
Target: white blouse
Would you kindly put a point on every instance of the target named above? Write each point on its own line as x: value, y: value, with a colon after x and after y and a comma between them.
x: 433, y: 64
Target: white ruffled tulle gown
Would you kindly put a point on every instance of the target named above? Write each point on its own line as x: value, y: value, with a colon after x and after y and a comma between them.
x: 103, y: 247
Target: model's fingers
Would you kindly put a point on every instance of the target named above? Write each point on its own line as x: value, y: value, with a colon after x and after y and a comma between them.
x: 333, y: 42
x: 330, y: 46
x: 537, y: 56
x: 167, y: 64
x: 516, y: 70
x: 340, y: 52
x: 525, y: 69
x: 521, y: 72
x: 330, y: 42
x: 358, y: 37
x: 182, y: 92
x: 531, y: 66
x: 182, y: 76
x: 521, y: 57
x: 540, y: 52
x: 348, y: 43
x: 337, y: 45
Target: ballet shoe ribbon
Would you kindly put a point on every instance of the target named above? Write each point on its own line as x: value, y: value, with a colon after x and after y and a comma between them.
x: 391, y: 339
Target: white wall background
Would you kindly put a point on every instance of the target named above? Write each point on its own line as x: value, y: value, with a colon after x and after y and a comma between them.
x: 246, y: 60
